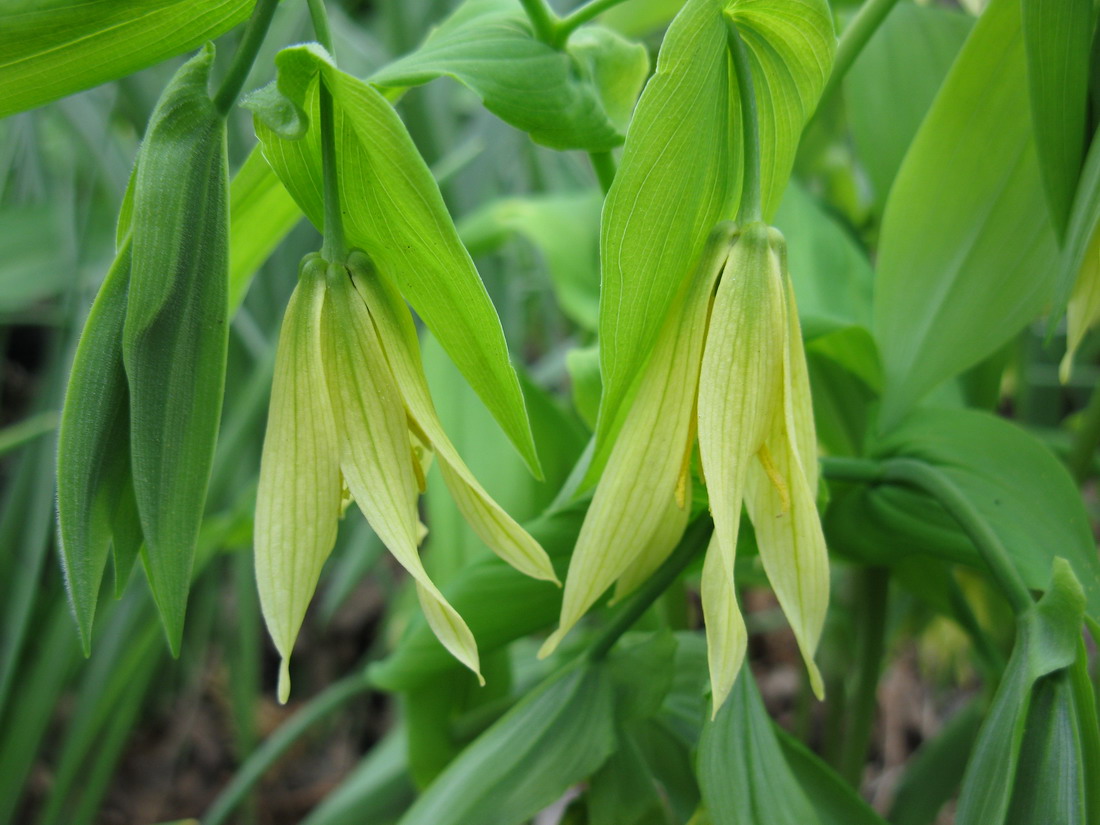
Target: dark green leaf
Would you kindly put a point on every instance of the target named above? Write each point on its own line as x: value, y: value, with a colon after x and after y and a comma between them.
x: 578, y: 98
x: 176, y: 331
x: 1058, y: 39
x: 742, y: 772
x: 559, y: 734
x: 395, y: 212
x: 49, y: 50
x: 834, y: 800
x: 966, y: 249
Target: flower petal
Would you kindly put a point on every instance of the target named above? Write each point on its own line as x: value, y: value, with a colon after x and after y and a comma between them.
x: 658, y: 548
x: 1083, y: 310
x: 639, y: 482
x: 742, y: 377
x: 487, y: 518
x: 375, y: 454
x: 298, y: 500
x: 727, y: 638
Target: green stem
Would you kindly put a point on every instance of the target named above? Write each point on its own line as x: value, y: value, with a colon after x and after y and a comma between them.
x: 604, y: 165
x: 319, y: 17
x: 543, y: 20
x: 751, y: 199
x: 22, y: 432
x: 245, y: 56
x: 874, y: 586
x: 693, y: 541
x: 329, y: 700
x: 855, y: 37
x: 1083, y: 450
x: 580, y: 16
x: 924, y: 477
x: 334, y: 247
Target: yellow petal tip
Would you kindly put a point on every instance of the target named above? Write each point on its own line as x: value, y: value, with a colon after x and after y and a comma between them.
x: 284, y: 680
x: 551, y: 643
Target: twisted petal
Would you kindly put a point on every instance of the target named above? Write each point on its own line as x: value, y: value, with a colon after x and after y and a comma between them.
x: 375, y: 455
x: 660, y: 545
x: 631, y: 505
x: 298, y: 500
x: 727, y: 638
x: 493, y: 525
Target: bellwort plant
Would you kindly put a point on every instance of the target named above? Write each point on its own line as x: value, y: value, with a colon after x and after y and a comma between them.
x: 574, y: 383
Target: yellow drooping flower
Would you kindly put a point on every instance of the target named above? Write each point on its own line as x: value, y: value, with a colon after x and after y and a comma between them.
x: 350, y: 409
x: 729, y: 366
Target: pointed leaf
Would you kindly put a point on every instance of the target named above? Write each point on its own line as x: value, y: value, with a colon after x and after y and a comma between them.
x: 395, y: 212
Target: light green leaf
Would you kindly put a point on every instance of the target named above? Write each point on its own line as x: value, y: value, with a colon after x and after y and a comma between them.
x: 1058, y: 40
x: 578, y: 98
x: 563, y: 228
x: 49, y: 50
x: 557, y: 735
x: 744, y: 778
x: 966, y: 254
x: 394, y: 211
x: 680, y: 173
x: 892, y: 83
x: 176, y: 331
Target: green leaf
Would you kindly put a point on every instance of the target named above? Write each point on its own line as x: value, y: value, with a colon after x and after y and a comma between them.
x: 498, y: 603
x: 176, y: 331
x: 830, y: 272
x: 742, y: 772
x: 578, y: 98
x: 1046, y: 643
x: 932, y: 775
x: 1058, y: 40
x: 557, y: 735
x: 1084, y: 220
x: 394, y: 212
x: 892, y: 83
x: 1024, y: 493
x: 49, y: 50
x: 562, y: 227
x: 625, y: 791
x: 93, y: 455
x: 680, y: 173
x: 966, y: 247
x: 834, y: 800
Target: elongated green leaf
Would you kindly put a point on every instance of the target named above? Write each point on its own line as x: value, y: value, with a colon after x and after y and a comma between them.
x: 1046, y: 643
x: 681, y: 167
x: 835, y: 801
x: 562, y: 227
x: 744, y: 778
x: 559, y: 734
x: 176, y: 330
x: 578, y: 98
x: 892, y: 83
x: 1024, y: 493
x: 93, y: 455
x: 49, y: 50
x: 1084, y: 220
x: 395, y: 212
x: 966, y: 248
x: 1058, y: 39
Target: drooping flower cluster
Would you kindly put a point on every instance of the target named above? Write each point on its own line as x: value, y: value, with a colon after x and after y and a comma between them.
x: 351, y: 414
x: 729, y: 367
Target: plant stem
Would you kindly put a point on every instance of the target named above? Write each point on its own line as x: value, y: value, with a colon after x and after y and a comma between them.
x: 319, y: 17
x: 1083, y: 449
x: 873, y: 590
x: 543, y: 20
x: 604, y: 165
x: 751, y: 200
x: 334, y: 247
x: 580, y: 16
x: 694, y: 539
x: 245, y: 56
x: 324, y: 703
x: 855, y: 37
x: 931, y: 481
x: 840, y: 468
x: 18, y: 434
